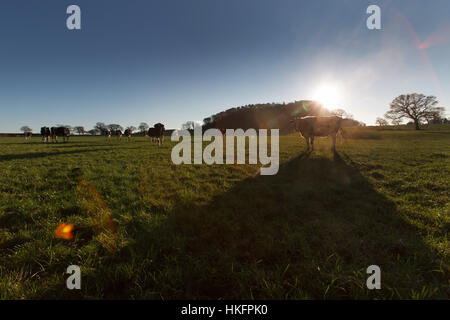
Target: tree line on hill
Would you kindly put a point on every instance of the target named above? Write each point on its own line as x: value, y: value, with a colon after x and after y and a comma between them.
x: 271, y: 116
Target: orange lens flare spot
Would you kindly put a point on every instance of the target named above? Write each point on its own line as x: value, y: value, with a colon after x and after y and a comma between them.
x: 64, y: 231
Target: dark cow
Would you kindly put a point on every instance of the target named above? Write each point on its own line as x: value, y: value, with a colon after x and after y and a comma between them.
x: 311, y: 127
x: 128, y: 134
x: 28, y: 135
x: 45, y: 133
x: 157, y: 133
x: 60, y: 131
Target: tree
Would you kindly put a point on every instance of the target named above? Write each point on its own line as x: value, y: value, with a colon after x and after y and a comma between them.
x: 131, y: 128
x: 100, y: 126
x: 396, y: 122
x: 414, y: 106
x: 115, y: 127
x: 143, y: 127
x: 381, y: 122
x: 79, y: 129
x: 190, y: 125
x: 436, y: 116
x: 26, y: 129
x: 341, y: 113
x: 94, y: 131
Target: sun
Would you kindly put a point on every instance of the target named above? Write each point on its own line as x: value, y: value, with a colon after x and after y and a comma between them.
x: 328, y: 95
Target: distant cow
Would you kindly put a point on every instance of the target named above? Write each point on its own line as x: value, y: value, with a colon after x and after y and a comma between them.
x: 117, y: 133
x: 311, y: 127
x: 60, y: 131
x: 28, y: 135
x: 107, y: 133
x: 157, y: 133
x: 128, y: 134
x: 45, y: 133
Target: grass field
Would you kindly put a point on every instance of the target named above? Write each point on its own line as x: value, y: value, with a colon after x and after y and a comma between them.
x: 224, y: 231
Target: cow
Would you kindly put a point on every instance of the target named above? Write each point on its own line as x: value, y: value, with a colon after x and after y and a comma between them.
x: 28, y: 135
x: 118, y: 133
x: 157, y: 133
x: 60, y: 131
x: 107, y: 133
x: 128, y: 134
x: 45, y: 133
x: 112, y: 132
x: 312, y: 126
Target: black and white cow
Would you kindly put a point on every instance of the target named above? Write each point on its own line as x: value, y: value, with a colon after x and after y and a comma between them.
x: 107, y: 133
x: 157, y: 133
x: 60, y: 131
x: 118, y: 134
x: 45, y: 133
x: 128, y: 134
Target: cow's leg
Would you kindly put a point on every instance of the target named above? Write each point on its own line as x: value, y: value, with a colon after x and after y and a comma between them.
x: 312, y: 143
x: 333, y: 144
x: 307, y: 143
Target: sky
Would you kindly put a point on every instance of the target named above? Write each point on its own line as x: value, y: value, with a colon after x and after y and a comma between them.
x: 171, y: 61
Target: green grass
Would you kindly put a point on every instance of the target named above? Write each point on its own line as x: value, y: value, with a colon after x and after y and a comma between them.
x: 224, y: 231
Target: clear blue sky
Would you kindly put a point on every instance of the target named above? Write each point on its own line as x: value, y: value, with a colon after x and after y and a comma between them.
x: 172, y: 61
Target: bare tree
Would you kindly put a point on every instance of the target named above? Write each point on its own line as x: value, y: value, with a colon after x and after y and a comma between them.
x: 115, y: 127
x: 79, y: 129
x: 413, y: 106
x: 143, y: 127
x: 436, y: 116
x: 190, y: 125
x: 100, y: 126
x: 381, y: 122
x: 25, y: 129
x: 131, y: 128
x: 342, y: 113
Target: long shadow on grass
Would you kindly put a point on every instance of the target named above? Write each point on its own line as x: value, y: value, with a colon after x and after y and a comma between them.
x: 308, y: 232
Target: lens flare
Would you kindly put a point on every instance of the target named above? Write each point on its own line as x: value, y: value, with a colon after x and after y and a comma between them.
x: 64, y: 231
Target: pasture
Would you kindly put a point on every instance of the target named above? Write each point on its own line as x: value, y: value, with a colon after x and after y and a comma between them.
x: 224, y: 231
